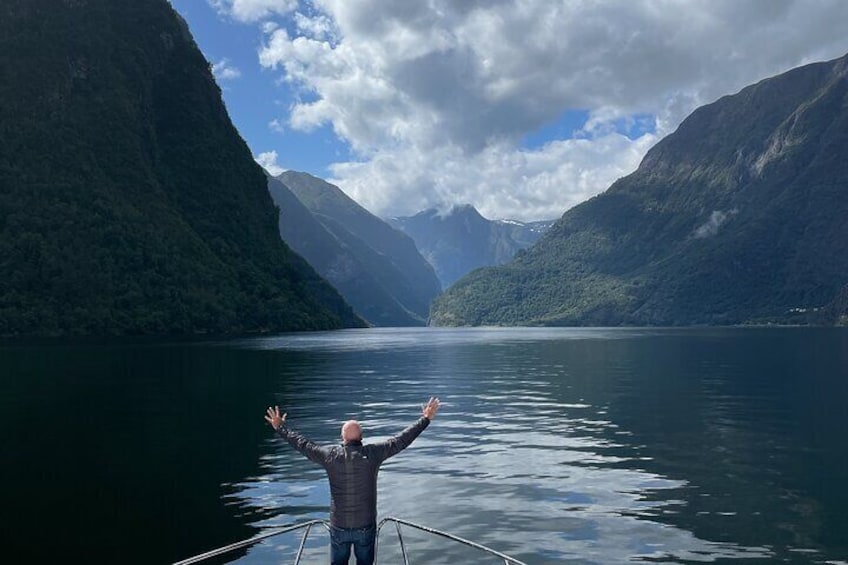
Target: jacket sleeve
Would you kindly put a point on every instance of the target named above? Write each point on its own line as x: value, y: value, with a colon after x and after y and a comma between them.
x: 307, y: 448
x: 393, y: 446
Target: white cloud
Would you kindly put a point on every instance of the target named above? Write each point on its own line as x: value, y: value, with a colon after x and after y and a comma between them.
x: 223, y: 70
x: 318, y: 26
x: 434, y: 97
x: 501, y: 181
x: 253, y: 10
x: 277, y: 126
x: 268, y: 27
x: 268, y: 161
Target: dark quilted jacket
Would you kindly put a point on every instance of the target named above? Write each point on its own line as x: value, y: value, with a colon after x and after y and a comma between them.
x: 352, y: 469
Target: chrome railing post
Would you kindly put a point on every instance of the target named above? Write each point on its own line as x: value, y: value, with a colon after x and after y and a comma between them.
x: 402, y: 546
x: 377, y: 539
x: 302, y: 544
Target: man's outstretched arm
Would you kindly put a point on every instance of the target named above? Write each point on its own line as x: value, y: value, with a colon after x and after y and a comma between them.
x: 401, y: 441
x: 307, y: 448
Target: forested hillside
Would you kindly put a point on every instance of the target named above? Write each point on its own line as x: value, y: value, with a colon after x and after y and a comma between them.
x: 737, y: 217
x: 129, y: 204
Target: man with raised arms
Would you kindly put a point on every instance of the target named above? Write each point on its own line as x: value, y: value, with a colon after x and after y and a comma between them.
x: 352, y: 470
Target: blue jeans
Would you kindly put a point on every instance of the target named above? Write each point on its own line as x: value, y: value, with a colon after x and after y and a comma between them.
x: 362, y: 540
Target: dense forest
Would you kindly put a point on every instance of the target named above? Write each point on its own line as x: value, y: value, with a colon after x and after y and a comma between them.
x: 129, y: 204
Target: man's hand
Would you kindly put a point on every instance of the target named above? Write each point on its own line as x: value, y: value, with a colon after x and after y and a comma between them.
x: 429, y: 410
x: 273, y: 417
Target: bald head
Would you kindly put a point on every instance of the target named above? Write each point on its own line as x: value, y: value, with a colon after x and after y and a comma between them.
x: 351, y: 431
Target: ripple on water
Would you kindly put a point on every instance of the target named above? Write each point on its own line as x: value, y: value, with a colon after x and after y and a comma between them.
x: 530, y: 453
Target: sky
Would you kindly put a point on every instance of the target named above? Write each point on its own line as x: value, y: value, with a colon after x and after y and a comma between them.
x: 522, y: 108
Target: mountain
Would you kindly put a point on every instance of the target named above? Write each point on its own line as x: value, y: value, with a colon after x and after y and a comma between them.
x: 837, y: 311
x: 461, y: 240
x: 737, y: 217
x: 349, y: 264
x: 524, y: 234
x: 376, y: 267
x: 129, y: 204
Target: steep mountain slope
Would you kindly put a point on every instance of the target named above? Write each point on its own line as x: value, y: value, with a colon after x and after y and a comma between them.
x: 128, y: 202
x: 461, y: 240
x: 837, y: 311
x: 737, y: 217
x: 386, y: 253
x: 344, y: 260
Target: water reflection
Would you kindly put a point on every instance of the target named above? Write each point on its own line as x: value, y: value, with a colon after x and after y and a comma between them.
x: 565, y: 445
x: 591, y: 446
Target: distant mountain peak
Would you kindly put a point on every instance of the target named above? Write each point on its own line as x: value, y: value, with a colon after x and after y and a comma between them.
x: 458, y: 239
x: 444, y: 211
x: 463, y: 209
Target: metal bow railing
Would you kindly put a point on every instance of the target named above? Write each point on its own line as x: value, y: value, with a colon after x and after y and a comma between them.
x: 398, y: 522
x: 307, y: 527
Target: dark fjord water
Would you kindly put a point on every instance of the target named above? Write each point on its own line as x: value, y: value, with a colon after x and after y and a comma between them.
x: 554, y: 445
